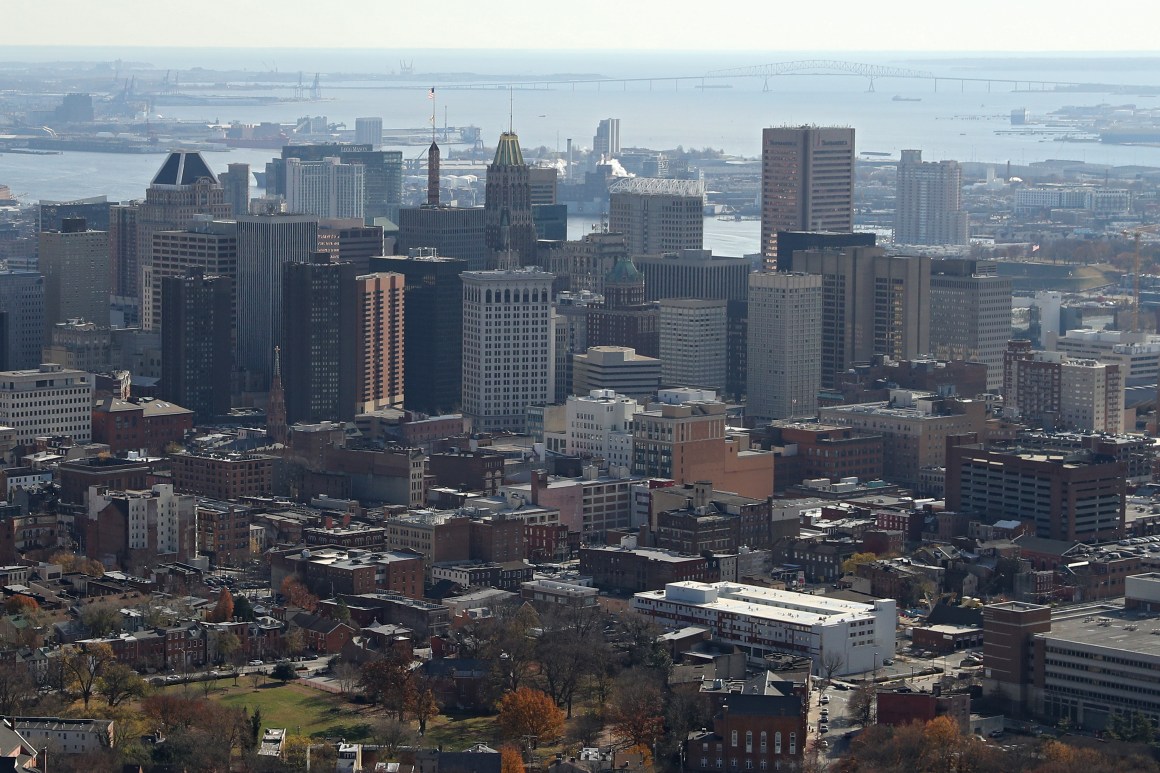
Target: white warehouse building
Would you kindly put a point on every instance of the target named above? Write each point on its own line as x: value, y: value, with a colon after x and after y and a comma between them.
x: 761, y: 621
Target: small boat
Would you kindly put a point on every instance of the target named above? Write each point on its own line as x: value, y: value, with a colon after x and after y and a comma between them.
x: 906, y: 99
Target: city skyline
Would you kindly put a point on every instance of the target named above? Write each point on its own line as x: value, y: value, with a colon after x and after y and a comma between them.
x: 902, y: 25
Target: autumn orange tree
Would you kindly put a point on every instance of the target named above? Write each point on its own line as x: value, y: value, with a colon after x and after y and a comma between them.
x: 528, y: 712
x: 298, y: 595
x: 223, y: 611
x: 18, y: 604
x: 510, y: 760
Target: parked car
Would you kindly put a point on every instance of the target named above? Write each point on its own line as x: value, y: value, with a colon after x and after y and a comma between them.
x: 256, y: 662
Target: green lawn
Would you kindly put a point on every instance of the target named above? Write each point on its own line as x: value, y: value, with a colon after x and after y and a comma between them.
x: 300, y: 709
x: 456, y: 732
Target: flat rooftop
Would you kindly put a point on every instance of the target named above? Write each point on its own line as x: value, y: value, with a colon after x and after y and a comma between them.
x: 765, y: 603
x: 1108, y: 627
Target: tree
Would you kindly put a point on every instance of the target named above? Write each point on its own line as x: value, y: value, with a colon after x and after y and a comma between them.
x: 391, y: 735
x: 223, y: 611
x: 342, y: 613
x: 84, y: 666
x: 243, y: 609
x: 387, y: 681
x: 347, y: 675
x: 863, y: 703
x: 169, y: 711
x: 284, y: 672
x: 100, y: 620
x: 256, y: 724
x: 19, y: 604
x: 294, y: 642
x: 851, y: 564
x: 298, y: 595
x: 509, y: 646
x: 16, y: 688
x: 510, y: 759
x: 228, y: 646
x: 421, y: 703
x: 528, y: 712
x: 256, y: 678
x: 119, y: 683
x: 637, y: 712
x: 833, y: 661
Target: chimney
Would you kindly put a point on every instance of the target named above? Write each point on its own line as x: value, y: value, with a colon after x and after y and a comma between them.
x: 539, y: 482
x: 702, y: 490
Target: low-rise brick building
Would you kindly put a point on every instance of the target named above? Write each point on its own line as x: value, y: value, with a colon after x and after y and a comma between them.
x: 139, y: 423
x: 224, y: 476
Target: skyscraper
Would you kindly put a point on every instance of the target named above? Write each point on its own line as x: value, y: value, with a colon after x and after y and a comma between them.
x: 183, y: 188
x: 351, y: 242
x: 318, y: 350
x: 873, y: 303
x: 510, y: 232
x: 124, y: 251
x: 929, y: 206
x: 382, y: 174
x: 94, y: 210
x: 368, y: 131
x: 606, y: 143
x: 197, y: 343
x: 785, y: 336
x: 507, y: 346
x: 75, y: 264
x: 266, y: 243
x: 433, y: 330
x: 657, y: 215
x: 807, y: 182
x: 22, y: 302
x: 692, y: 342
x: 236, y: 188
x: 972, y: 314
x: 457, y: 232
x: 326, y: 188
x: 379, y: 341
x: 209, y: 246
x: 624, y: 318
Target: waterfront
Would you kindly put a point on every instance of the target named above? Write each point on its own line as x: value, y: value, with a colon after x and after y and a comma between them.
x: 945, y: 119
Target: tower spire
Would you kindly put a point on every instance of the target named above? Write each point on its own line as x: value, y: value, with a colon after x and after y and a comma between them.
x: 511, y: 109
x: 276, y: 403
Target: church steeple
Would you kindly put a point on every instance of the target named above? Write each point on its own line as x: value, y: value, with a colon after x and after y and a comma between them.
x: 276, y: 403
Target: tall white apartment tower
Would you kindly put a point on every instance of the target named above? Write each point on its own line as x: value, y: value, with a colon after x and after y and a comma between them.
x: 785, y: 345
x: 368, y: 131
x: 327, y: 188
x: 507, y: 346
x: 929, y: 205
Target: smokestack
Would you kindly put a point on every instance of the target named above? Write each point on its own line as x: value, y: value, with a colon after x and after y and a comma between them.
x: 568, y: 173
x: 433, y: 175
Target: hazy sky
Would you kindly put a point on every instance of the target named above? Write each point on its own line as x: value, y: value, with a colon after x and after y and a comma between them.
x: 767, y: 25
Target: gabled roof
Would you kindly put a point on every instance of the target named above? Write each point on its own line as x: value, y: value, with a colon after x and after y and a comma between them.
x: 183, y: 168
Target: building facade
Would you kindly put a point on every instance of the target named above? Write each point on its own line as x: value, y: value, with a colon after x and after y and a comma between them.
x: 326, y: 188
x: 693, y: 342
x: 872, y: 303
x: 807, y: 182
x: 974, y: 314
x: 22, y: 325
x: 47, y: 402
x: 657, y: 215
x: 784, y: 360
x: 75, y: 265
x: 929, y: 205
x: 507, y: 346
x: 196, y: 339
x: 266, y: 243
x: 763, y: 621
